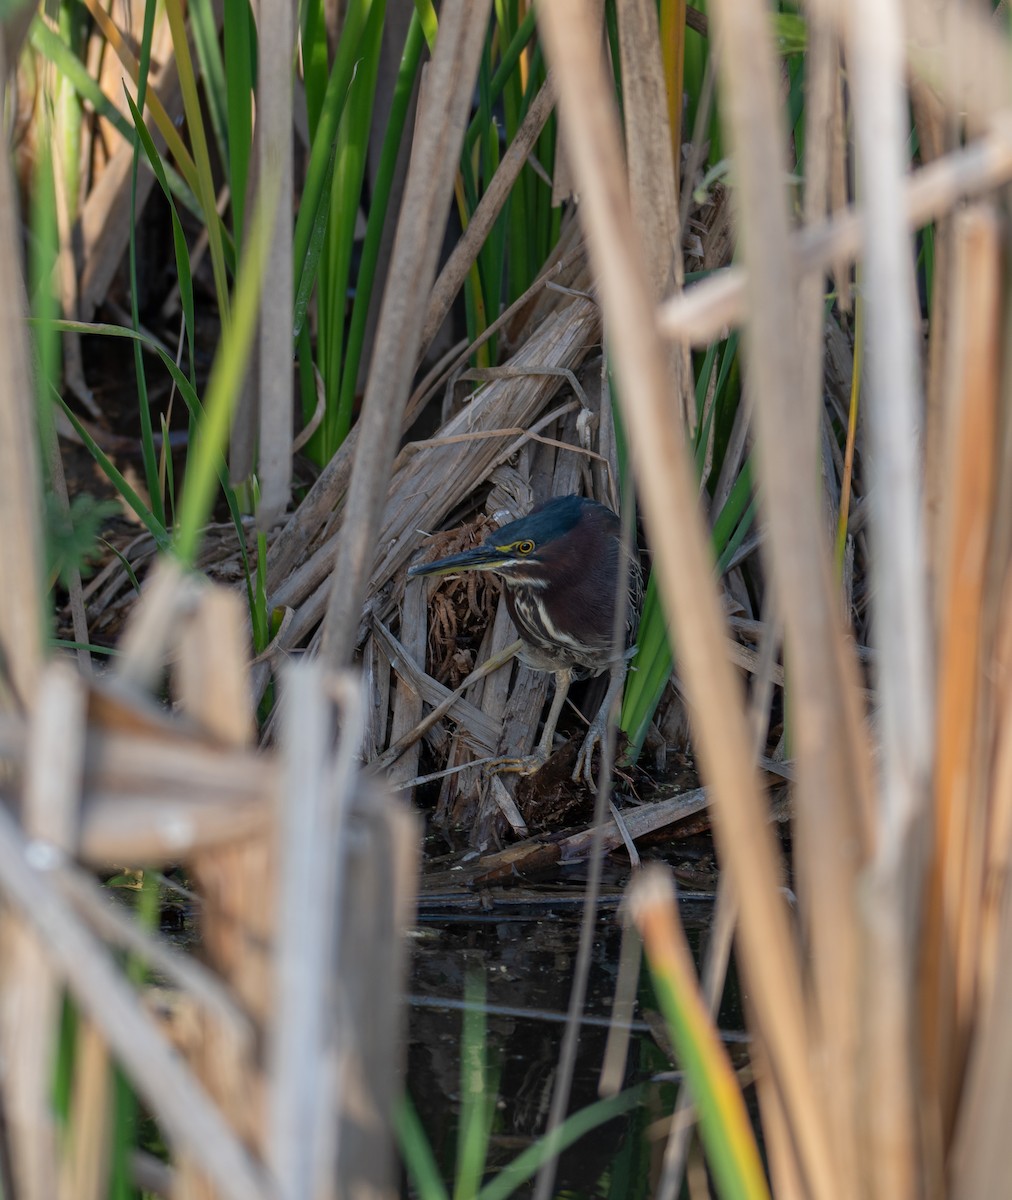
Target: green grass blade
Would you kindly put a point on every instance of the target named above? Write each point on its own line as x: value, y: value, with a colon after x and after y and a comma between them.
x: 43, y: 248
x: 417, y: 1153
x: 201, y: 157
x: 315, y: 65
x: 314, y: 249
x: 144, y: 514
x: 256, y: 588
x: 574, y: 1127
x: 315, y: 203
x: 730, y: 516
x: 426, y: 13
x: 335, y: 266
x: 128, y: 570
x: 64, y: 644
x: 727, y: 396
x: 49, y: 44
x: 730, y: 1146
x: 652, y: 665
x: 226, y: 379
x: 166, y: 472
x: 507, y: 63
x: 477, y: 1094
x: 649, y: 672
x: 212, y: 70
x: 182, y: 253
x: 240, y: 68
x: 148, y: 455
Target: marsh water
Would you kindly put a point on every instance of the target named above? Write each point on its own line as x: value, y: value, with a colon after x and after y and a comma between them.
x: 522, y: 942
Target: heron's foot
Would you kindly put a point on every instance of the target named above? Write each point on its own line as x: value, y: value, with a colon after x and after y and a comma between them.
x: 525, y: 764
x: 583, y: 770
x: 593, y: 739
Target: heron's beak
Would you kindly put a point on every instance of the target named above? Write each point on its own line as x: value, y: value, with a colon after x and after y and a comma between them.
x: 481, y: 558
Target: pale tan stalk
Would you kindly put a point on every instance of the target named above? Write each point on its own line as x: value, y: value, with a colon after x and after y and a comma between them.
x: 683, y: 559
x: 653, y: 170
x: 904, y: 663
x: 21, y: 526
x: 274, y: 348
x: 833, y: 793
x: 970, y: 429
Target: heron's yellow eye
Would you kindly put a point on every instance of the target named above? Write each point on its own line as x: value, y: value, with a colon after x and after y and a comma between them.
x: 525, y: 547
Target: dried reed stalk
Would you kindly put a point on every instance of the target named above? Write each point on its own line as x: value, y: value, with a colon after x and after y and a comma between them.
x: 311, y: 814
x: 999, y: 673
x: 455, y: 269
x: 20, y: 530
x: 236, y: 879
x: 407, y: 701
x: 969, y: 435
x: 652, y: 151
x: 442, y: 118
x: 84, y: 1171
x: 104, y: 222
x: 833, y: 793
x: 30, y: 996
x: 426, y: 486
x: 904, y: 666
x: 709, y: 307
x: 978, y: 1163
x: 681, y: 555
x: 274, y: 346
x: 50, y: 813
x: 347, y: 890
x: 367, y: 1039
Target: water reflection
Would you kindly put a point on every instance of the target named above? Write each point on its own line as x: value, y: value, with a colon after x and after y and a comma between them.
x: 524, y: 943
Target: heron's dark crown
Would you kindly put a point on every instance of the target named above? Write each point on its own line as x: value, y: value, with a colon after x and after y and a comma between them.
x: 529, y: 546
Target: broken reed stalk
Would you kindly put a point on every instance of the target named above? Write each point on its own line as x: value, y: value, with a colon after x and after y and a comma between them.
x: 99, y: 987
x: 706, y: 309
x: 217, y: 1129
x: 31, y: 987
x: 312, y: 818
x: 237, y: 881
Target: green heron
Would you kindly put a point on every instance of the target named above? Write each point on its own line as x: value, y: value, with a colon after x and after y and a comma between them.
x: 560, y: 568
